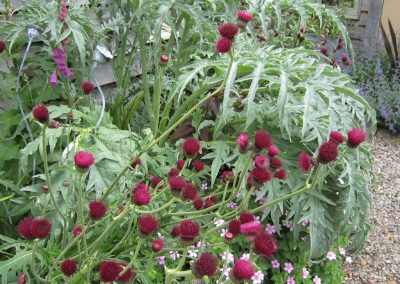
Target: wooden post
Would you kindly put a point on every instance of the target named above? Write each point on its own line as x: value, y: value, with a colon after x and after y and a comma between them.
x: 371, y: 35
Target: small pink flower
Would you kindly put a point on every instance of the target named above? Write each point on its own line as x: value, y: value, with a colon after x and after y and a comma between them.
x: 270, y: 229
x: 262, y: 200
x: 243, y: 141
x: 288, y: 267
x: 349, y: 259
x: 174, y: 255
x: 317, y: 280
x: 258, y: 277
x: 342, y: 251
x: 290, y: 280
x: 275, y: 264
x: 53, y: 79
x: 305, y: 223
x: 304, y: 273
x: 245, y: 256
x: 161, y: 259
x: 331, y: 255
x: 232, y: 205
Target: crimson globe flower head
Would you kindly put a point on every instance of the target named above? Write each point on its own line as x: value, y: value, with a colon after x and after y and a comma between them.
x: 109, y: 271
x: 234, y: 227
x: 280, y: 174
x: 77, y: 230
x: 180, y: 164
x: 198, y: 203
x: 189, y: 230
x: 265, y: 245
x: 209, y: 202
x: 136, y: 163
x: 2, y: 46
x: 97, y: 209
x: 198, y: 165
x: 251, y: 229
x: 189, y: 192
x: 83, y: 160
x: 24, y: 228
x: 141, y: 194
x: 244, y: 16
x: 155, y: 181
x: 41, y: 113
x: 228, y: 30
x: 246, y: 217
x: 261, y: 161
x: 40, y: 228
x: 355, y: 137
x: 127, y: 276
x: 336, y: 137
x: 262, y: 140
x: 328, y: 152
x: 242, y: 270
x: 273, y: 150
x: 173, y: 172
x: 177, y: 184
x: 176, y: 231
x: 260, y: 175
x: 275, y: 162
x: 21, y: 278
x: 87, y: 87
x: 164, y: 58
x: 148, y: 224
x: 68, y: 267
x: 226, y: 176
x: 305, y: 162
x: 243, y: 141
x: 191, y: 146
x: 157, y: 245
x: 223, y: 45
x: 205, y: 265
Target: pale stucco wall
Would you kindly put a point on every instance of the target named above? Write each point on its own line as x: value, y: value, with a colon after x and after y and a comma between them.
x: 391, y: 10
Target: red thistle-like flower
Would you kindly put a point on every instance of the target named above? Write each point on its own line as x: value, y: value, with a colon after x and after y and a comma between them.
x: 275, y: 162
x: 242, y: 269
x: 244, y: 16
x: 246, y: 217
x: 261, y: 161
x: 189, y: 231
x: 83, y: 160
x: 24, y: 230
x: 189, y: 192
x: 176, y: 231
x: 141, y: 194
x: 265, y: 245
x: 336, y: 137
x: 198, y: 203
x: 328, y: 152
x: 191, y: 146
x: 209, y: 202
x: 324, y: 51
x: 234, y: 227
x: 87, y: 87
x: 243, y: 141
x: 109, y: 271
x: 355, y: 137
x: 164, y: 58
x: 97, y: 209
x: 205, y: 265
x: 77, y: 230
x: 304, y: 162
x: 249, y: 182
x: 198, y: 165
x: 346, y: 60
x: 228, y: 30
x: 223, y: 45
x: 262, y: 139
x: 148, y: 224
x: 226, y: 176
x: 157, y: 245
x: 41, y: 113
x: 40, y: 228
x: 2, y: 46
x: 177, y: 184
x: 280, y: 174
x: 251, y: 228
x: 273, y: 150
x: 180, y: 164
x: 54, y: 124
x: 68, y: 267
x: 261, y: 175
x: 173, y: 172
x: 127, y: 276
x: 136, y: 163
x: 21, y: 278
x: 155, y: 181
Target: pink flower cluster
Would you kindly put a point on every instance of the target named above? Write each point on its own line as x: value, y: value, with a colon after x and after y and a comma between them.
x: 59, y: 57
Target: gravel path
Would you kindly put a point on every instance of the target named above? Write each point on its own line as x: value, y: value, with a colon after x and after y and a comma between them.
x: 379, y: 262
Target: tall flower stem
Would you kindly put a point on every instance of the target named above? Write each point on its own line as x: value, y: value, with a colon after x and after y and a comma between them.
x: 133, y: 259
x: 37, y: 276
x: 168, y: 131
x: 182, y: 262
x: 48, y: 181
x: 128, y: 231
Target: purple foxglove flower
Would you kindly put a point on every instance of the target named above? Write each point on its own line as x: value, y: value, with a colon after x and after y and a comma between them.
x: 53, y: 79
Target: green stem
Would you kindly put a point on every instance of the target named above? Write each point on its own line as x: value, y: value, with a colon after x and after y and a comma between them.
x: 145, y: 80
x: 182, y: 262
x: 168, y: 131
x: 128, y: 231
x: 172, y: 201
x: 133, y: 259
x: 37, y: 277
